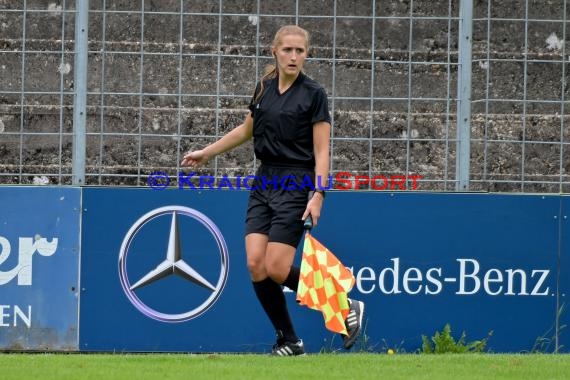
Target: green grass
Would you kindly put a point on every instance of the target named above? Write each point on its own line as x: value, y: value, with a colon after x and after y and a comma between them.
x: 318, y: 366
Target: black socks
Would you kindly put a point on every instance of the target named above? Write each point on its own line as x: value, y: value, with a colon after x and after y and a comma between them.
x: 273, y: 301
x: 292, y: 280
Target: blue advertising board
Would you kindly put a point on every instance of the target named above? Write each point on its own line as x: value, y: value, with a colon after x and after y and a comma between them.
x: 483, y: 263
x: 39, y: 262
x: 561, y: 337
x: 207, y: 305
x: 166, y: 270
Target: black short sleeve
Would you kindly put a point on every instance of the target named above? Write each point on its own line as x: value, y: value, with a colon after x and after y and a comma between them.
x: 321, y: 107
x: 252, y: 101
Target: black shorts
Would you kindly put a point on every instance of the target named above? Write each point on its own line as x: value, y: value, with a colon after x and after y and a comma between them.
x: 277, y: 201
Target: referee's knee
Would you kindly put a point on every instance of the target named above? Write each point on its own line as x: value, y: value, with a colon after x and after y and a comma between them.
x: 256, y: 268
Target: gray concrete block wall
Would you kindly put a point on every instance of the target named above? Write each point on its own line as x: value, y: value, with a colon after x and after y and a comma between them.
x: 134, y: 128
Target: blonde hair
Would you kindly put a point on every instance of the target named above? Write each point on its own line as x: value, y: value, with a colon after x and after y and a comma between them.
x: 271, y: 71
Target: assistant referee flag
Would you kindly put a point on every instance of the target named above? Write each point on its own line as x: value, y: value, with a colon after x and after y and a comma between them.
x: 324, y: 284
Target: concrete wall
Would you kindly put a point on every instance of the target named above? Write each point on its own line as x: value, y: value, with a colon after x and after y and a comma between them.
x: 115, y: 67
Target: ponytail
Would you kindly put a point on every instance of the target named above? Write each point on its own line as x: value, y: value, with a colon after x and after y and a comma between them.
x: 271, y: 72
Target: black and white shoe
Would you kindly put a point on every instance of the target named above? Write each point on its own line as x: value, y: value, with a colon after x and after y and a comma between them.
x: 289, y: 349
x: 353, y: 323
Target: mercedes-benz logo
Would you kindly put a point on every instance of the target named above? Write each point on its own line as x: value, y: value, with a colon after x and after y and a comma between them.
x: 173, y: 264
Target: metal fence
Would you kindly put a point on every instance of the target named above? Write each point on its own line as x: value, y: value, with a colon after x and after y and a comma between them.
x: 468, y: 94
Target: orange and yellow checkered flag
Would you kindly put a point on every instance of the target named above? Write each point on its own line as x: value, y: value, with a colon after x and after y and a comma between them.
x: 324, y: 284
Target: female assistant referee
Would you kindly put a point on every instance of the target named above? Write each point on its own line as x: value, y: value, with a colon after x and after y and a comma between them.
x: 290, y: 124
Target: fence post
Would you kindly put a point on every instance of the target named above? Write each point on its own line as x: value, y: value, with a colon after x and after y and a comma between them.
x: 464, y: 96
x: 80, y: 89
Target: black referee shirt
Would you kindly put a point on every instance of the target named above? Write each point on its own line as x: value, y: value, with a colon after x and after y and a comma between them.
x: 283, y: 123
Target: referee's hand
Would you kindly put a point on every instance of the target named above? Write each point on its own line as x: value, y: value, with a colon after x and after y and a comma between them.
x: 194, y: 159
x: 314, y: 208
